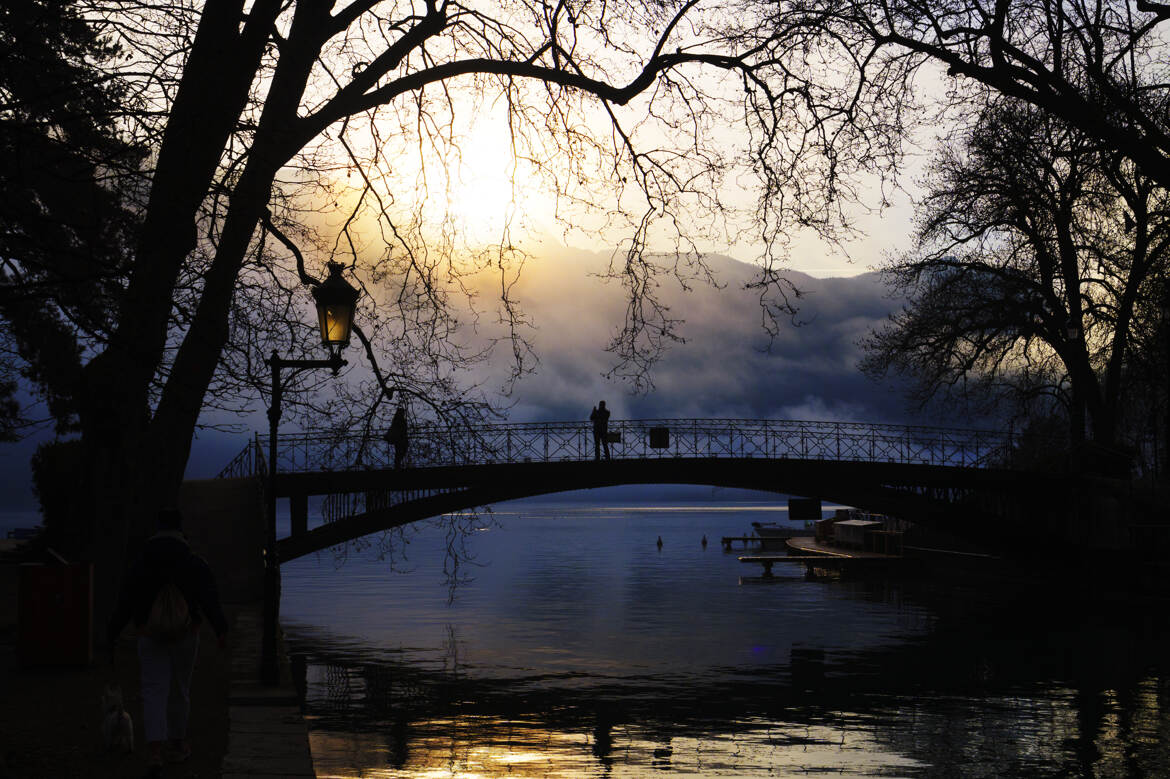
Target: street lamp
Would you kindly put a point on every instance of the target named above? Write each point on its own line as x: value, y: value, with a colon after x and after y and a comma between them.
x: 336, y: 301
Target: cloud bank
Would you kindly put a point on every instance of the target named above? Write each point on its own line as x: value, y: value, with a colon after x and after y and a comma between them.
x: 726, y: 368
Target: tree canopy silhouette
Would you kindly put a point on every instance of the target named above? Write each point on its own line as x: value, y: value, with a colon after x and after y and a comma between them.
x: 66, y: 217
x: 1040, y: 257
x: 285, y: 134
x: 1101, y: 67
x: 1097, y: 79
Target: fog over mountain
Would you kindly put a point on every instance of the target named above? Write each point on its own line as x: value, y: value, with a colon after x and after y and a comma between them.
x: 726, y: 368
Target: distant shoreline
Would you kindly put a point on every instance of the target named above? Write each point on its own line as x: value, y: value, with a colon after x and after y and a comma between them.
x: 10, y: 520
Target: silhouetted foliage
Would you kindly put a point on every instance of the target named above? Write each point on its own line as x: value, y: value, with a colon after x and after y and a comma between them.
x: 65, y: 224
x: 56, y: 468
x: 1100, y: 67
x: 286, y: 134
x: 1037, y: 254
x: 1041, y: 443
x: 1100, y: 70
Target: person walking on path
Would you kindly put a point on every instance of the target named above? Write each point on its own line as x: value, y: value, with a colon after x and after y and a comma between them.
x: 168, y: 592
x: 600, y: 419
x: 397, y: 436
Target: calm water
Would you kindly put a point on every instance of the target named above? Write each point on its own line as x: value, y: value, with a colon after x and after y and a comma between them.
x: 578, y: 649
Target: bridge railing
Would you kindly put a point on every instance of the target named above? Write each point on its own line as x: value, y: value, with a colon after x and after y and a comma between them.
x: 435, y: 445
x: 249, y: 462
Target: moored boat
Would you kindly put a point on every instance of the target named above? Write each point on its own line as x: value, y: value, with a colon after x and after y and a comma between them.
x: 771, y: 533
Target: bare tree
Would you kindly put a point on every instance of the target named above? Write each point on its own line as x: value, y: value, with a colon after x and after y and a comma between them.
x: 1100, y: 70
x: 286, y: 133
x: 1100, y: 67
x: 1036, y: 249
x: 336, y: 125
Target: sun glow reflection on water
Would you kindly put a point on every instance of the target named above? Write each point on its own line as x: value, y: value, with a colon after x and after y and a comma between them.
x: 456, y: 749
x: 580, y: 649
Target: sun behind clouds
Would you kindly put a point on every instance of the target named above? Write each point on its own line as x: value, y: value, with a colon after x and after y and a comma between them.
x: 489, y: 193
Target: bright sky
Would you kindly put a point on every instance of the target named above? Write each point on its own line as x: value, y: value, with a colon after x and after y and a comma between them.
x: 472, y: 176
x: 483, y: 199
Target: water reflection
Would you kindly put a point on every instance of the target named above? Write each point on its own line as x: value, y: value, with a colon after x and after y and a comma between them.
x: 620, y: 665
x: 481, y: 747
x: 373, y: 721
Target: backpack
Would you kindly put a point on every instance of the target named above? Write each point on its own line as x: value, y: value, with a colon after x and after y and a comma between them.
x: 170, y: 617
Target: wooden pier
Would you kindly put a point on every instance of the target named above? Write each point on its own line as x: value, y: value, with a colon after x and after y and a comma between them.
x: 815, y: 556
x: 745, y: 540
x: 767, y: 540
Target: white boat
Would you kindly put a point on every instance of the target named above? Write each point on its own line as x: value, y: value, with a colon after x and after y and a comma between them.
x: 770, y: 531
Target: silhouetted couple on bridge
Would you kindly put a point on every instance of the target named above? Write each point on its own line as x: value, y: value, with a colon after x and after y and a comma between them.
x: 600, y: 419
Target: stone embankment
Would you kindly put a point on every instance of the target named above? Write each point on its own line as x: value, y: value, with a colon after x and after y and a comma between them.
x: 267, y: 734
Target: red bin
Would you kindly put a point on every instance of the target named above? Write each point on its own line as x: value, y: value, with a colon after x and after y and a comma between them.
x: 55, y: 614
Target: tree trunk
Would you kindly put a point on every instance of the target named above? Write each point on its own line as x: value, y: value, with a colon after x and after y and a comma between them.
x: 213, y: 91
x: 119, y: 493
x: 134, y: 465
x: 273, y: 146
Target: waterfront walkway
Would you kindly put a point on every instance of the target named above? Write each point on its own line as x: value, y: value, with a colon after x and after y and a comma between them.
x: 50, y: 723
x: 49, y: 717
x: 267, y: 734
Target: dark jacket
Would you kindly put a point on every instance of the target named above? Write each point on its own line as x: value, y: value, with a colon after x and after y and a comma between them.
x: 167, y: 557
x: 397, y: 433
x: 600, y: 419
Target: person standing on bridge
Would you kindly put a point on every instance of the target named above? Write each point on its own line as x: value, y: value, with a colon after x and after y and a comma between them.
x: 600, y: 419
x: 397, y: 436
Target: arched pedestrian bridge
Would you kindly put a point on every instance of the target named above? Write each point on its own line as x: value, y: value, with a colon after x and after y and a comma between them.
x: 921, y: 473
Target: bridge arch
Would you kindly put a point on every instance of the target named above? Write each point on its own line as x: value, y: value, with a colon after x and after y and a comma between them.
x: 927, y: 474
x: 922, y: 492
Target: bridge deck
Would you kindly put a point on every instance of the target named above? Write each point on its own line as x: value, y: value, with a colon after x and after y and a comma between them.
x: 639, y: 439
x: 901, y: 470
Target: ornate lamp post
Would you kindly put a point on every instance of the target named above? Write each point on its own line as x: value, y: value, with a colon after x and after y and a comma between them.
x: 336, y: 301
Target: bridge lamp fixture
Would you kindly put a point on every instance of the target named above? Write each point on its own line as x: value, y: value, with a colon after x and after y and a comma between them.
x: 336, y: 301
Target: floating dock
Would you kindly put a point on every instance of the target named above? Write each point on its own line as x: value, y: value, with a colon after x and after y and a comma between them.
x: 727, y: 541
x: 816, y: 556
x: 773, y: 538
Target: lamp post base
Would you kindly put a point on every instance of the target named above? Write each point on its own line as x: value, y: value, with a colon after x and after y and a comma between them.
x: 269, y: 662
